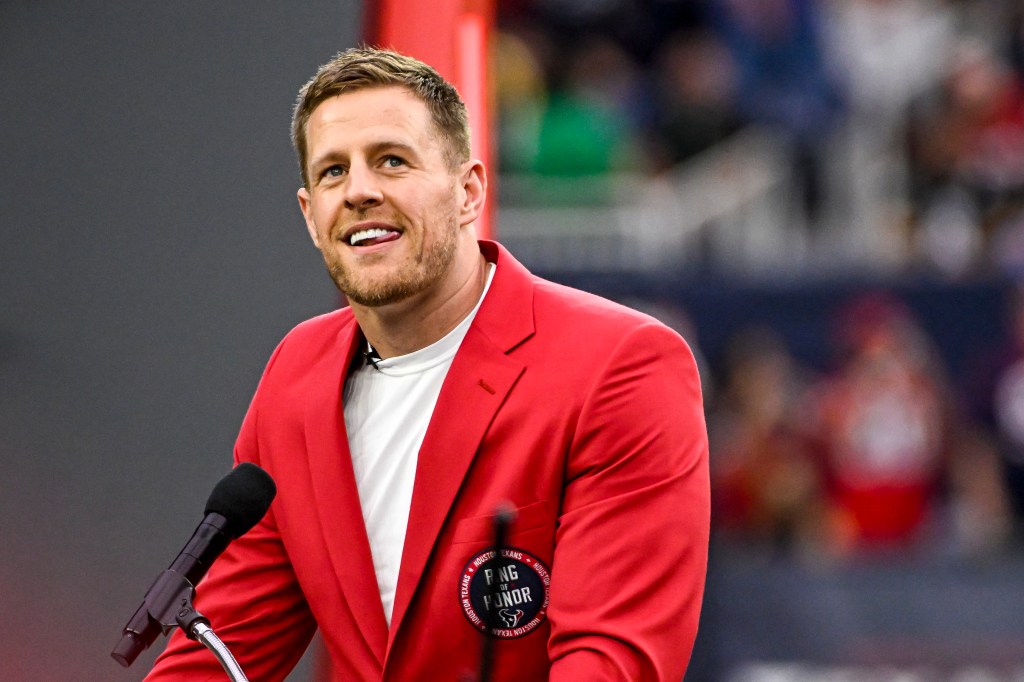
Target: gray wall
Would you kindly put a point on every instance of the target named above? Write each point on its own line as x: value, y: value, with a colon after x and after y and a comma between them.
x: 152, y: 255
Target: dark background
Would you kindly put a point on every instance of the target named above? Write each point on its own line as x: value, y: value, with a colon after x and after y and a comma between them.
x: 152, y: 255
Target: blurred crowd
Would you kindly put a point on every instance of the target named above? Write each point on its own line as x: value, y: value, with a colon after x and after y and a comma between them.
x: 880, y: 453
x: 903, y: 119
x: 875, y: 454
x: 904, y: 123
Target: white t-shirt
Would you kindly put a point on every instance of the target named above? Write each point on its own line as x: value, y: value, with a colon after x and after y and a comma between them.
x: 387, y: 410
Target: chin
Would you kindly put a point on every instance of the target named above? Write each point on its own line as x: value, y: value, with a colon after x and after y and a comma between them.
x: 377, y: 296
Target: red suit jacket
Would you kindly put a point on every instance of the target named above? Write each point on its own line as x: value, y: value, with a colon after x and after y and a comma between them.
x: 584, y: 416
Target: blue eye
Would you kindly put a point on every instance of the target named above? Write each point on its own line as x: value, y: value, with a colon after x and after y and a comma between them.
x: 334, y: 171
x: 393, y: 162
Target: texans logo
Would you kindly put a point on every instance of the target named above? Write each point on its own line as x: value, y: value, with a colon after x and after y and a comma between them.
x: 505, y: 594
x: 511, y: 618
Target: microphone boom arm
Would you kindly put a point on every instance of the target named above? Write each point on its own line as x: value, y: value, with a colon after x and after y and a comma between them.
x: 168, y: 604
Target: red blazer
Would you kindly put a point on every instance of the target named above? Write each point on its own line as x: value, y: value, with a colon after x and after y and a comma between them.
x: 583, y: 415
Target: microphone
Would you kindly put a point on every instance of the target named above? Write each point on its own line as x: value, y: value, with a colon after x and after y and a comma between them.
x: 236, y: 504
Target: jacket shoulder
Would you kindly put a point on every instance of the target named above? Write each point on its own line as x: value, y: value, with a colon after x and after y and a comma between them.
x: 316, y: 337
x: 574, y: 306
x: 325, y: 326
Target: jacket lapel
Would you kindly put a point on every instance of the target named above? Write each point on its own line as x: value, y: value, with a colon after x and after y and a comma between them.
x: 337, y: 498
x: 480, y: 378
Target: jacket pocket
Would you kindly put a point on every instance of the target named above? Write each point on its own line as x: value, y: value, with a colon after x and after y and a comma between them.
x: 481, y: 528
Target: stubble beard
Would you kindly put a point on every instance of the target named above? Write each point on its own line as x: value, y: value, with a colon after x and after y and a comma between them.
x: 412, y: 278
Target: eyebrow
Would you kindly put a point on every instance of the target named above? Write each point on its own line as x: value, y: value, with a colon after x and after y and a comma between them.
x: 385, y: 145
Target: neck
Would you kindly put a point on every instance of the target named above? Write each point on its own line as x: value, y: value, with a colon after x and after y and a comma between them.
x: 420, y: 320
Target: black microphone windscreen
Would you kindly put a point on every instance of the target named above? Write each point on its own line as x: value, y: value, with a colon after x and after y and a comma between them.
x: 242, y: 497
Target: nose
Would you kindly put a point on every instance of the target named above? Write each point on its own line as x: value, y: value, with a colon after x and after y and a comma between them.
x: 362, y: 188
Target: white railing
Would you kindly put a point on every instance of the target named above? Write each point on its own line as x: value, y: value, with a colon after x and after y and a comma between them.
x: 731, y: 207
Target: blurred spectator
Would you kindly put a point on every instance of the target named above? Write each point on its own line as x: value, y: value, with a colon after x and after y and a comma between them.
x: 783, y: 79
x: 694, y: 91
x: 765, y: 469
x: 967, y: 151
x: 979, y: 514
x: 521, y: 98
x: 888, y: 52
x: 587, y: 127
x: 882, y: 418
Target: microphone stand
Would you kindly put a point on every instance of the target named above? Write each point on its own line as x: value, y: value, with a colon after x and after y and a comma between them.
x: 503, y: 518
x: 169, y: 603
x: 205, y: 634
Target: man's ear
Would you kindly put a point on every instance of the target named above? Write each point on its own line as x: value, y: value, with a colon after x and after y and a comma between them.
x: 473, y: 181
x: 306, y: 206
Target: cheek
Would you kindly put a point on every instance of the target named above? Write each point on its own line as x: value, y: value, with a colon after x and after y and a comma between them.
x: 437, y: 207
x: 325, y: 215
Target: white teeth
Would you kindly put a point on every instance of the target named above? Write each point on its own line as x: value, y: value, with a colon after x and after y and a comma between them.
x: 363, y: 235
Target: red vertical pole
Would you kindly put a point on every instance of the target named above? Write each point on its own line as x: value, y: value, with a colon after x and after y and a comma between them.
x: 453, y: 37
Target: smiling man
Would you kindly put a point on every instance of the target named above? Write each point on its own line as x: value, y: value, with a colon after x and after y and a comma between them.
x: 454, y: 389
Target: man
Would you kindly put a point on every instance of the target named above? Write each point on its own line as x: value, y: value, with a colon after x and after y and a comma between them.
x: 455, y: 385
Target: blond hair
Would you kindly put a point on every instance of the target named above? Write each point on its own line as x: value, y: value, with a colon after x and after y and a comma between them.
x: 367, y: 67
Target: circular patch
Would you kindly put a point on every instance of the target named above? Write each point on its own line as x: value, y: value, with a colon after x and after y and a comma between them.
x: 506, y: 593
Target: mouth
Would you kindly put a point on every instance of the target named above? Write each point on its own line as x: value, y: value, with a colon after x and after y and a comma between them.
x: 370, y: 234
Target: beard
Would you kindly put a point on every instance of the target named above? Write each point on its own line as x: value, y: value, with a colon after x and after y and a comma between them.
x: 410, y: 277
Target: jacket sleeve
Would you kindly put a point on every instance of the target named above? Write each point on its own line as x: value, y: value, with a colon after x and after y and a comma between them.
x: 631, y: 546
x: 250, y: 596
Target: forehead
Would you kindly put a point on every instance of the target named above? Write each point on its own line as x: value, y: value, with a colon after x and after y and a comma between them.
x: 368, y: 114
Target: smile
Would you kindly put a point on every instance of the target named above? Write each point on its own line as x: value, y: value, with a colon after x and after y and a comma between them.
x: 373, y: 235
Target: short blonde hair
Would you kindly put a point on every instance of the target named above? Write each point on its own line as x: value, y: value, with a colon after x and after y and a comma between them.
x: 367, y: 67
